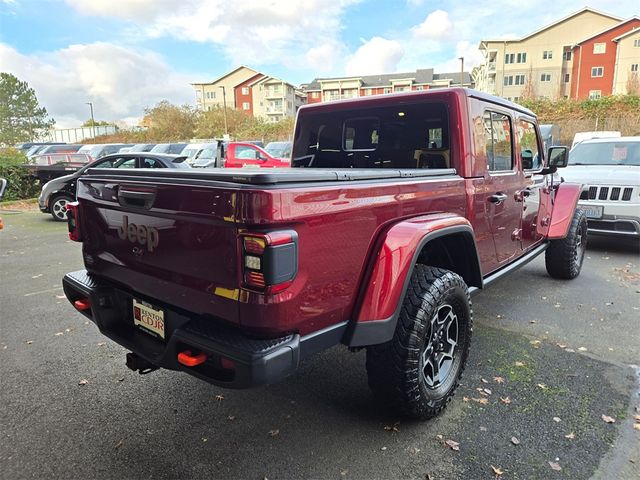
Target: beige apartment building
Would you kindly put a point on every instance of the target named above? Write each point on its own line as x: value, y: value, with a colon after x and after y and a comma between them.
x: 252, y: 92
x: 540, y: 63
x: 627, y: 70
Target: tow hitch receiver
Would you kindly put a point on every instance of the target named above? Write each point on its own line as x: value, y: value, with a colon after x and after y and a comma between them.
x: 139, y: 364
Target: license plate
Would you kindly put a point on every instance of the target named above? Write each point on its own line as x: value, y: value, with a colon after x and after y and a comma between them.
x: 148, y: 318
x: 592, y: 211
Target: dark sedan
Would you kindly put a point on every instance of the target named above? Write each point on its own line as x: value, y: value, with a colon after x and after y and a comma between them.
x: 58, y: 192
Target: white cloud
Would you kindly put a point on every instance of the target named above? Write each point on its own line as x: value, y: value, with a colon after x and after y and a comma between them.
x: 249, y: 32
x: 437, y: 26
x: 120, y: 82
x: 467, y: 50
x: 415, y: 3
x: 377, y: 55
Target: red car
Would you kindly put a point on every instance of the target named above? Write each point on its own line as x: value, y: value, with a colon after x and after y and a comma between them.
x: 243, y: 154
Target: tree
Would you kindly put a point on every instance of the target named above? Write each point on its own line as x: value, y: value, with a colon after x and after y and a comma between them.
x: 167, y: 122
x: 633, y: 84
x: 21, y: 116
x: 95, y: 123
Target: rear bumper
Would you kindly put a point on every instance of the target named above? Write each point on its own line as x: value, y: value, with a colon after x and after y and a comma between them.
x: 256, y: 361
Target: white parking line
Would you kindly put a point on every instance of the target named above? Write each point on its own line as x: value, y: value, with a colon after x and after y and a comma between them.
x: 43, y: 291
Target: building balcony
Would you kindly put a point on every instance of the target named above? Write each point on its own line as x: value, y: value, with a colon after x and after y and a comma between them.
x: 273, y: 94
x: 275, y: 110
x: 491, y: 67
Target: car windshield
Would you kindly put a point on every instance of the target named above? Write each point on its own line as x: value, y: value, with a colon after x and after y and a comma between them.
x: 190, y: 152
x: 160, y: 148
x: 606, y: 153
x: 207, y: 153
x: 279, y: 150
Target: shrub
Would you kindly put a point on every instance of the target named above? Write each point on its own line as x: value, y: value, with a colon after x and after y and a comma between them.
x: 20, y: 185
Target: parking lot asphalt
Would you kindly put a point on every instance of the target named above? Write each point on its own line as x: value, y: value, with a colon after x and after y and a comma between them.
x: 548, y: 360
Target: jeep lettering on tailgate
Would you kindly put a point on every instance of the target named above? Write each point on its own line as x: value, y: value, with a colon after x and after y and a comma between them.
x: 146, y: 236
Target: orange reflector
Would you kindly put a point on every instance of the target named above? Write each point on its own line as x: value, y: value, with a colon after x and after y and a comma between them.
x: 188, y: 359
x: 227, y: 364
x: 82, y: 304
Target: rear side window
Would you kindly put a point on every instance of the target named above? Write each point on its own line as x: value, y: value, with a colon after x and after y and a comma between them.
x: 498, y: 141
x: 529, y: 142
x: 392, y: 136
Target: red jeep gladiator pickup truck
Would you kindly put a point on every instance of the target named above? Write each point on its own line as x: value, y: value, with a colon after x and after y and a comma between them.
x: 396, y: 210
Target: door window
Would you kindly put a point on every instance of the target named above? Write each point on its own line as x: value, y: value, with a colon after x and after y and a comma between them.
x: 529, y: 142
x: 498, y: 141
x: 150, y: 163
x: 246, y: 153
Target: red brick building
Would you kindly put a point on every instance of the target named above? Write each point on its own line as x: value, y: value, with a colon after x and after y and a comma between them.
x: 594, y: 61
x: 244, y: 95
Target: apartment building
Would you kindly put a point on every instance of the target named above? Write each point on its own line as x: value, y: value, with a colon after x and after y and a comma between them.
x: 252, y: 92
x: 327, y: 89
x: 626, y: 76
x: 595, y: 61
x: 539, y: 64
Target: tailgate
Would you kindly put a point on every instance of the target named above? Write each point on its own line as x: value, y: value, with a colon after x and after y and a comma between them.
x: 170, y: 243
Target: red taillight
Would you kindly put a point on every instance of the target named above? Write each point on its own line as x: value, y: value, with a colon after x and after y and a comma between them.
x: 189, y: 359
x: 73, y: 221
x: 269, y: 260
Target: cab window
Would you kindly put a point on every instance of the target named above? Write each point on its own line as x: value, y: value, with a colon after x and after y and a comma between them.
x: 528, y: 140
x: 498, y: 144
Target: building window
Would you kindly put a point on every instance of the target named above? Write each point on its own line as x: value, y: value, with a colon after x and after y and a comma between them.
x: 509, y: 58
x: 516, y: 99
x: 521, y: 58
x: 634, y: 67
x: 547, y: 55
x: 367, y: 91
x: 566, y: 56
x: 246, y: 105
x: 599, y: 48
x: 597, y: 72
x: 520, y: 79
x: 245, y: 90
x: 595, y: 94
x: 387, y: 90
x: 567, y: 77
x: 636, y: 43
x: 402, y: 88
x: 419, y: 88
x: 545, y: 77
x: 315, y: 94
x: 508, y: 80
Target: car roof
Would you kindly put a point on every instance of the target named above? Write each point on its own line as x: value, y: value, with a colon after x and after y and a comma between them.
x: 610, y: 140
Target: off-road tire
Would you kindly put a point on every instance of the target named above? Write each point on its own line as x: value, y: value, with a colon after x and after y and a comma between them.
x: 565, y: 256
x: 397, y: 370
x: 58, y: 207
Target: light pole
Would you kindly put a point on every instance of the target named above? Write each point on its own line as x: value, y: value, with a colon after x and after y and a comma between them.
x: 224, y: 104
x: 461, y: 71
x: 93, y: 122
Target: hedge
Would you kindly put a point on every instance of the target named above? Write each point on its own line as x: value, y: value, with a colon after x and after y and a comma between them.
x: 20, y: 185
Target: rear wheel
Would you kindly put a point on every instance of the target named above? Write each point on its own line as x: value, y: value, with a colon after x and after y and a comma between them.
x: 419, y: 369
x: 59, y: 208
x: 565, y: 256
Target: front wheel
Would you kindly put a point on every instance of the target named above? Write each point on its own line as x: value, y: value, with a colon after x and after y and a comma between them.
x: 59, y: 208
x: 565, y: 256
x: 419, y: 369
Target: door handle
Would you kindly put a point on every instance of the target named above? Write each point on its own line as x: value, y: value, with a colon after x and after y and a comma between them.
x: 498, y: 198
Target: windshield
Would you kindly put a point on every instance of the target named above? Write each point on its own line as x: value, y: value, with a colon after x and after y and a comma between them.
x: 160, y: 148
x: 190, y: 152
x: 279, y: 150
x: 606, y: 153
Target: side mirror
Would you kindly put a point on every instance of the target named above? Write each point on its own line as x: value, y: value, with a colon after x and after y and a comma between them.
x: 3, y: 186
x: 558, y: 157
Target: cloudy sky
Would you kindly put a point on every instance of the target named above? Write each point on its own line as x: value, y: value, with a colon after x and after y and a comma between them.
x: 125, y: 55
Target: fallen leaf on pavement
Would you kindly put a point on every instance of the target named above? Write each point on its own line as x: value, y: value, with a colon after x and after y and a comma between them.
x: 274, y: 432
x: 37, y: 276
x: 119, y: 444
x: 465, y: 399
x: 29, y: 342
x: 57, y: 334
x: 231, y: 418
x: 570, y: 350
x: 519, y: 364
x: 483, y: 429
x: 636, y: 418
x: 453, y: 445
x: 84, y: 381
x: 636, y: 426
x: 556, y: 419
x: 535, y: 343
x: 608, y: 419
x: 498, y: 379
x: 344, y: 472
x: 392, y: 428
x: 582, y: 349
x: 497, y: 471
x: 542, y: 386
x: 383, y: 448
x: 570, y: 436
x: 414, y: 450
x: 101, y: 344
x: 487, y: 391
x: 533, y: 321
x: 561, y: 345
x: 515, y: 441
x: 481, y: 401
x: 555, y: 466
x: 505, y: 400
x: 219, y: 398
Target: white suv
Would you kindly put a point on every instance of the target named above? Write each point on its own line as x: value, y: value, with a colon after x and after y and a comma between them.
x: 609, y: 169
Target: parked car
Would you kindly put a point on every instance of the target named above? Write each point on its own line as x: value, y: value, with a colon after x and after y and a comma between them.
x: 138, y: 147
x: 48, y: 166
x: 609, y: 169
x: 26, y: 146
x: 56, y: 194
x: 581, y: 136
x: 281, y: 150
x: 550, y: 135
x: 99, y: 150
x: 173, y: 148
x: 63, y: 148
x: 236, y: 276
x: 242, y: 154
x: 210, y: 155
x: 191, y: 151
